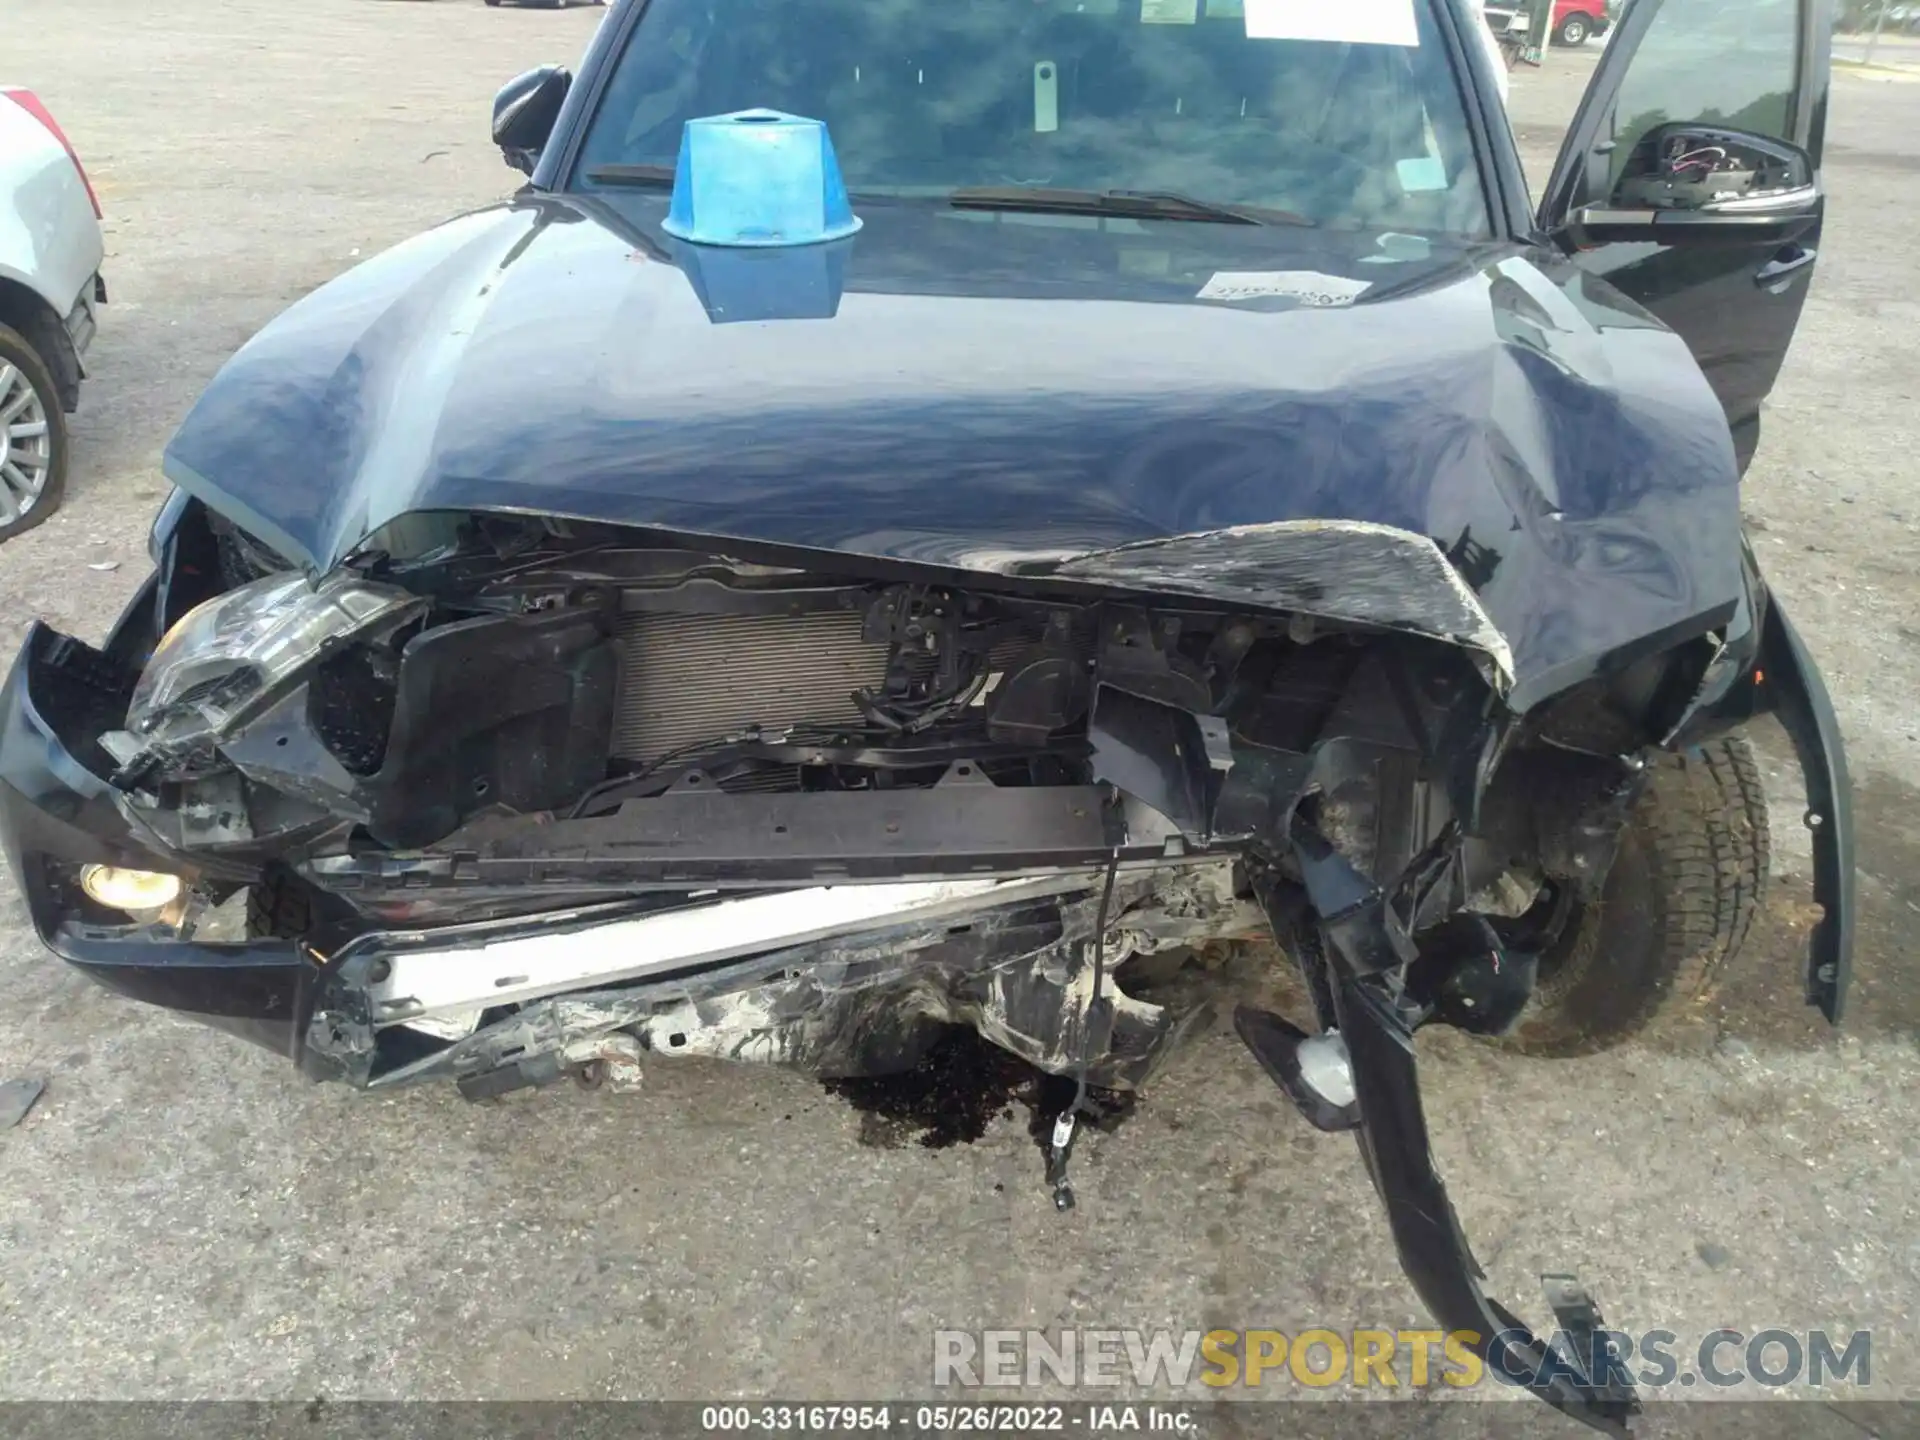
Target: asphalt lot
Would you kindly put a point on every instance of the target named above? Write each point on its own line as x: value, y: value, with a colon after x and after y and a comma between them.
x: 182, y: 1217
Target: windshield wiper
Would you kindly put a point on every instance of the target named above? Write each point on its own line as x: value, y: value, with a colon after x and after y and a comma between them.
x: 647, y: 176
x: 1134, y: 204
x: 661, y: 177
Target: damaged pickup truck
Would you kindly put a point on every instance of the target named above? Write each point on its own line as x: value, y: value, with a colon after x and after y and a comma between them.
x: 1107, y: 483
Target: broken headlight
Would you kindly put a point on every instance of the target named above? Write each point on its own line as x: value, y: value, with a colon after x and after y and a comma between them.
x: 227, y: 659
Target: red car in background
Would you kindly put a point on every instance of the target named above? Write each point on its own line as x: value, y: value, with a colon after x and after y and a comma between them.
x: 1575, y: 20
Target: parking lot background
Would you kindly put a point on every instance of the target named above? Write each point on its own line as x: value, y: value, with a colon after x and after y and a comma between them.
x: 181, y: 1216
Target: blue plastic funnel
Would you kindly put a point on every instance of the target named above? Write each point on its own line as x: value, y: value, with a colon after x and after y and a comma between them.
x: 758, y: 178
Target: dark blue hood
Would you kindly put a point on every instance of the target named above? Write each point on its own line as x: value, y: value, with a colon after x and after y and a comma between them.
x: 999, y: 392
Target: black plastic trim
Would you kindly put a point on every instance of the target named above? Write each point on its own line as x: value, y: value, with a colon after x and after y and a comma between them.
x: 1792, y: 688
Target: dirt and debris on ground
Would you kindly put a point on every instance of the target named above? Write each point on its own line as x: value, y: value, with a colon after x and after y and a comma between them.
x: 960, y: 1088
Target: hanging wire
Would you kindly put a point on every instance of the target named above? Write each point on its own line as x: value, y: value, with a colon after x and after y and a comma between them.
x: 1066, y: 1126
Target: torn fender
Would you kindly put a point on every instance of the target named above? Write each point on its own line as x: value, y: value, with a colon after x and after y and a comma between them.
x: 1426, y: 1233
x: 1339, y: 569
x: 1790, y: 684
x: 1359, y: 933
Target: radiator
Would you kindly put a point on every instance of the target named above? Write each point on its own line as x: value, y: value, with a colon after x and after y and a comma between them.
x: 690, y: 678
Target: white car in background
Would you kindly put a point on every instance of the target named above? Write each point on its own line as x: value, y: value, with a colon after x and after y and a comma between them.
x: 50, y: 254
x: 1490, y: 42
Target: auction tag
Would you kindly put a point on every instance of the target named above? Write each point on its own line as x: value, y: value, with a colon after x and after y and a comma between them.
x: 1351, y: 22
x: 1046, y: 97
x: 1309, y: 287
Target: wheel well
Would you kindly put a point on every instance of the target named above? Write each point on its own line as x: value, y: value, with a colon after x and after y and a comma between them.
x: 24, y: 310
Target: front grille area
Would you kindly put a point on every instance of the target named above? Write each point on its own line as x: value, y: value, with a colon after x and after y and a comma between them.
x: 689, y: 678
x: 351, y: 709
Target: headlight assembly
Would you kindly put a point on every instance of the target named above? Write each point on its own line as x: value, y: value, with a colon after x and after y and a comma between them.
x: 226, y: 660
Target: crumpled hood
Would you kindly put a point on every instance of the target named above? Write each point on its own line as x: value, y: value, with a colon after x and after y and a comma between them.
x: 999, y: 392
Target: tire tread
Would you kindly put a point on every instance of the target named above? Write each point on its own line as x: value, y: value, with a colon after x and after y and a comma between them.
x: 1702, y: 823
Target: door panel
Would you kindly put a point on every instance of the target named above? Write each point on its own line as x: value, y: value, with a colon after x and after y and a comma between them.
x: 1735, y: 303
x: 1734, y: 294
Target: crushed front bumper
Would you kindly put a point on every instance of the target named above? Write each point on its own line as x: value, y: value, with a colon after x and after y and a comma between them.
x: 58, y: 814
x: 834, y: 978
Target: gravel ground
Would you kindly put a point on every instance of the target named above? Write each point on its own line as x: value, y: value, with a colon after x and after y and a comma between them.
x: 182, y: 1217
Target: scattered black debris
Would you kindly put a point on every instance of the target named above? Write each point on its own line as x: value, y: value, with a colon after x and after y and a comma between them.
x: 956, y: 1091
x: 1715, y: 1257
x: 16, y: 1099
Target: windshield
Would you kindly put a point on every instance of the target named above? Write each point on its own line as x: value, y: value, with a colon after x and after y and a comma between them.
x: 1221, y: 101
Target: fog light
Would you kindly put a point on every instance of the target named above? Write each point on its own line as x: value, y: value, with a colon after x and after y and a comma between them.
x: 128, y: 889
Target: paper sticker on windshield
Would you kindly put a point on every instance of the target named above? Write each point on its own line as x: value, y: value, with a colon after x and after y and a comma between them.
x: 1169, y: 12
x: 1309, y: 287
x: 1351, y: 22
x: 1420, y: 174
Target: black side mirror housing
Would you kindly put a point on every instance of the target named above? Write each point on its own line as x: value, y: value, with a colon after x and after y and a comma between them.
x: 1710, y: 168
x: 1698, y: 183
x: 524, y: 112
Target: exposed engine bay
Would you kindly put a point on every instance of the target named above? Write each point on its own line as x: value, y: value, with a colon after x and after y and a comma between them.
x: 709, y: 757
x: 538, y: 799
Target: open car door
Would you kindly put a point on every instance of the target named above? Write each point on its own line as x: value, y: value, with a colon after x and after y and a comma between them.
x: 1690, y: 180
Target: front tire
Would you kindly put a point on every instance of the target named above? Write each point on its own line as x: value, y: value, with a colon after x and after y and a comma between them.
x: 1574, y: 30
x: 33, y: 437
x: 1676, y: 908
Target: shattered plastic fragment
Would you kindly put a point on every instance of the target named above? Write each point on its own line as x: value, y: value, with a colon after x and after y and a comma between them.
x: 16, y: 1099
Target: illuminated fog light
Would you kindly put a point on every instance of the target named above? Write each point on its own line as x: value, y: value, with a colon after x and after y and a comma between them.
x: 129, y: 889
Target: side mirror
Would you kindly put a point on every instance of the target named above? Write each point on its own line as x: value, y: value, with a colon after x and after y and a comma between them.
x: 1695, y: 182
x: 1712, y: 169
x: 524, y: 112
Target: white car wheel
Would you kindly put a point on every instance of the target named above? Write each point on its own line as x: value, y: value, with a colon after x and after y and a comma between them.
x: 33, y: 436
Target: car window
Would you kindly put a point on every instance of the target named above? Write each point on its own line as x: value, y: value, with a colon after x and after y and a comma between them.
x: 1712, y: 61
x: 926, y: 96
